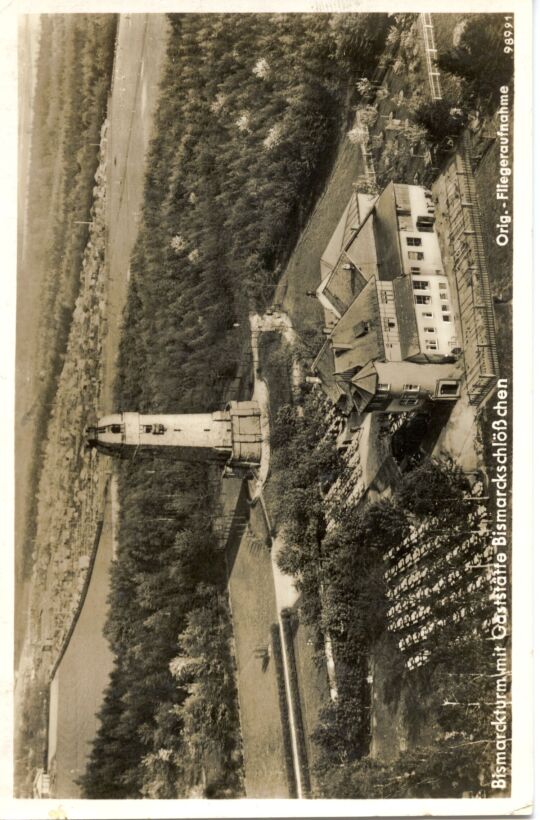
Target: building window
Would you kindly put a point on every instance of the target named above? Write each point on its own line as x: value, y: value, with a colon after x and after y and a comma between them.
x: 390, y: 324
x: 427, y: 314
x: 445, y: 308
x: 414, y: 241
x: 111, y: 428
x: 420, y: 299
x: 431, y: 344
x: 420, y: 284
x: 411, y: 388
x: 415, y: 269
x: 408, y: 401
x: 383, y: 388
x: 446, y: 318
x: 443, y: 295
x: 442, y: 285
x: 154, y: 429
x: 425, y: 222
x: 405, y: 223
x: 448, y: 388
x: 429, y: 330
x: 416, y: 255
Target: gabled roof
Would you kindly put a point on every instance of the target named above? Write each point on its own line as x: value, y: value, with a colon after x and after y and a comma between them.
x: 340, y: 237
x: 406, y: 317
x: 385, y: 227
x: 358, y: 335
x: 362, y: 251
x: 364, y: 386
x: 323, y: 367
x: 338, y: 290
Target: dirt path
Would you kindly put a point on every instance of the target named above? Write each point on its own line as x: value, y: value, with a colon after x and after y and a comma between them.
x: 140, y: 54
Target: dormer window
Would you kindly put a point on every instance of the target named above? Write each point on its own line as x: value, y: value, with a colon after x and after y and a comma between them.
x: 360, y: 329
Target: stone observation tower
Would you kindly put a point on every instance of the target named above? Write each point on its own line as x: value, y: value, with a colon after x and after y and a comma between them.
x: 231, y: 436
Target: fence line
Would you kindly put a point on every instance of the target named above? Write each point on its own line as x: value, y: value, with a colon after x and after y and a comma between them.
x: 431, y: 56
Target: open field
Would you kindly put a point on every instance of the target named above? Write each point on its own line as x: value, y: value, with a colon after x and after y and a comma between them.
x: 303, y: 270
x: 253, y: 604
x: 82, y: 675
x: 313, y: 685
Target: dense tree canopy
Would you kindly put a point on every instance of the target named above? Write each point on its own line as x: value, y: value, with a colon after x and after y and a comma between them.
x: 251, y: 109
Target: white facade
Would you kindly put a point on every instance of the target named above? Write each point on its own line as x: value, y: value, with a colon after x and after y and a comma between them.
x: 422, y: 260
x: 229, y: 436
x: 419, y: 243
x: 192, y: 429
x: 410, y: 331
x: 408, y: 384
x: 435, y: 317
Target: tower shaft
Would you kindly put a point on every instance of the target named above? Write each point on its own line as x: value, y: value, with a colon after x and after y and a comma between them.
x: 230, y: 436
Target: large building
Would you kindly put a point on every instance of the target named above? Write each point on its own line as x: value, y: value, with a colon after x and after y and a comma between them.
x: 231, y: 436
x: 390, y: 314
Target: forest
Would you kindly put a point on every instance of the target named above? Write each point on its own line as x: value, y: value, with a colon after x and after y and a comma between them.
x: 250, y: 114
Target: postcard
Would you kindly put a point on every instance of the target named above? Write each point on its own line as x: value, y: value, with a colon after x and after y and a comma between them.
x: 271, y: 346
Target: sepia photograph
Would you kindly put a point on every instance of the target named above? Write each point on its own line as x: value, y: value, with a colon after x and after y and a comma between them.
x: 264, y: 410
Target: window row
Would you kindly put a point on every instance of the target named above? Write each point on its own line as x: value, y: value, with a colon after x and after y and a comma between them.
x: 425, y: 299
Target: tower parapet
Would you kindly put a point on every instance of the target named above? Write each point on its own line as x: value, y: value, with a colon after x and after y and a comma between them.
x: 231, y: 436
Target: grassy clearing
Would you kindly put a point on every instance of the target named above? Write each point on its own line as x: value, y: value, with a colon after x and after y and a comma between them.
x: 303, y: 270
x: 253, y: 604
x: 83, y: 674
x: 313, y: 683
